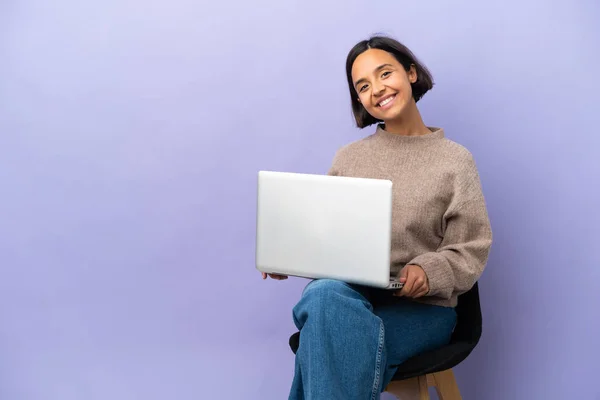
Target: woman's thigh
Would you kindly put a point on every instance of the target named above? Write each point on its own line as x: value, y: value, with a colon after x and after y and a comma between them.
x: 412, y: 328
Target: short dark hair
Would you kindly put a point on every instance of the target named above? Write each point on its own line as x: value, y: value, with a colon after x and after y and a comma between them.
x: 404, y: 56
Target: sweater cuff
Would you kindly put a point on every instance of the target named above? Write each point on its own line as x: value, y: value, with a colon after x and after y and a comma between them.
x: 438, y: 275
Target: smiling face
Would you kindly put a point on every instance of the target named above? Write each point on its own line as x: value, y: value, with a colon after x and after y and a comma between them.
x: 383, y: 85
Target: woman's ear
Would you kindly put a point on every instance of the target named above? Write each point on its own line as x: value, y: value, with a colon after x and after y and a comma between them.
x: 412, y: 74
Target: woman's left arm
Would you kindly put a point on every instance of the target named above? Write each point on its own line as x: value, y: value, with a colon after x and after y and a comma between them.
x: 460, y: 259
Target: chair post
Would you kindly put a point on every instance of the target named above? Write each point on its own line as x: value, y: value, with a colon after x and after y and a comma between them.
x: 410, y: 389
x: 418, y: 388
x: 445, y: 385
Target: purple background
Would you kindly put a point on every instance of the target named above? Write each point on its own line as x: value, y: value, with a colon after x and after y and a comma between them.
x: 131, y: 133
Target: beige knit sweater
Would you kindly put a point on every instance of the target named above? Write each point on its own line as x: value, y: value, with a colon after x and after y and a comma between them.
x: 440, y: 220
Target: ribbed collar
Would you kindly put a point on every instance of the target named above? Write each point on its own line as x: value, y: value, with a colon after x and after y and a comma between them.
x: 436, y: 133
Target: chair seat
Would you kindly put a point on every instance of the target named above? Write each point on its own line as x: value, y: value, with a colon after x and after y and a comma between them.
x: 434, y: 361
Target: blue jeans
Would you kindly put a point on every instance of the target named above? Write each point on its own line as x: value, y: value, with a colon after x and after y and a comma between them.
x: 352, y: 338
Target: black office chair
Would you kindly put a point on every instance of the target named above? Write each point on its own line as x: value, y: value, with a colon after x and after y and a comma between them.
x: 434, y: 368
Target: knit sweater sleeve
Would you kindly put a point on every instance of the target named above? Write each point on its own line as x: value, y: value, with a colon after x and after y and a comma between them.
x: 335, y: 168
x: 462, y: 255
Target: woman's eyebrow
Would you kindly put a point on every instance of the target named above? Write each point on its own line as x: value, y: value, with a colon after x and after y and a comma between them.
x: 379, y: 68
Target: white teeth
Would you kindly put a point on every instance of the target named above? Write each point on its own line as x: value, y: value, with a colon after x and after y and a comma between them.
x: 383, y: 103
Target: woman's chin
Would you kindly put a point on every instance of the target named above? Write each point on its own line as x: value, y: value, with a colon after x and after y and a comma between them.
x: 389, y: 117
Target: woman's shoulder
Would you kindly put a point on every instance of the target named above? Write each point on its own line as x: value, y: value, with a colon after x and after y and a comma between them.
x: 349, y: 154
x: 455, y: 148
x: 457, y: 152
x: 356, y: 146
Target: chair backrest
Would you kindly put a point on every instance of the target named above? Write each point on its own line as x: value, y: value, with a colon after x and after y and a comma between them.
x: 469, y: 320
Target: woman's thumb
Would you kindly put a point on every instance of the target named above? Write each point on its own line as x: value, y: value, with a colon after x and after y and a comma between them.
x: 403, y: 274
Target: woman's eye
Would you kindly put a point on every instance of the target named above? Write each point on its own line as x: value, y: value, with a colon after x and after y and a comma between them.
x: 386, y: 74
x: 363, y: 87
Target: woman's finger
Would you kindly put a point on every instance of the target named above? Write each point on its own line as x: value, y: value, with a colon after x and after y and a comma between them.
x: 421, y: 292
x: 417, y: 283
x: 418, y: 287
x: 408, y: 285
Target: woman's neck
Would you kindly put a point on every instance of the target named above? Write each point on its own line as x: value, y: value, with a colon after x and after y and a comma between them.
x: 410, y: 124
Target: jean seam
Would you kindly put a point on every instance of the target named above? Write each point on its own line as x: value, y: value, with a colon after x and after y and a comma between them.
x: 377, y: 379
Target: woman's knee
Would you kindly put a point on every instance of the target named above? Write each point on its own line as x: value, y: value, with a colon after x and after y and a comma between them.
x: 331, y: 293
x: 329, y: 305
x: 325, y: 287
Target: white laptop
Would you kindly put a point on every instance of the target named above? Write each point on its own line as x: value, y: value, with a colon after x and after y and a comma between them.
x: 321, y: 226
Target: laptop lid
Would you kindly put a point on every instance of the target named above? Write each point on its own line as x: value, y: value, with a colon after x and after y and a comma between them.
x: 320, y: 226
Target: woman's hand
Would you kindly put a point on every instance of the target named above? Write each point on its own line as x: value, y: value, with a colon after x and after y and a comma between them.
x: 274, y: 276
x: 416, y: 283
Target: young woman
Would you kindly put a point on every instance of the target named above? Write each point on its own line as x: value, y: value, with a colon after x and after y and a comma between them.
x: 352, y: 338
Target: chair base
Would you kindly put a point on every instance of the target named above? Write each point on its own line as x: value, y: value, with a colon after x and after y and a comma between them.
x: 418, y: 388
